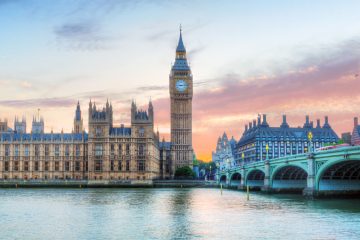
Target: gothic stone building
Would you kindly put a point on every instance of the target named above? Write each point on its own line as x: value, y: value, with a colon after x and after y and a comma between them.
x: 106, y: 152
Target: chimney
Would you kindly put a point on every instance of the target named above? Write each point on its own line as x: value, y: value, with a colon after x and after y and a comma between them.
x: 264, y: 119
x: 284, y: 123
x: 259, y: 120
x: 246, y: 127
x: 356, y: 122
x: 326, y: 120
x: 307, y: 119
x: 318, y: 123
x: 250, y: 125
x: 254, y: 123
x: 311, y: 124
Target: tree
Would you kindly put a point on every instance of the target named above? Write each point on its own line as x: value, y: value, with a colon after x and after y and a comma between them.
x: 184, y: 173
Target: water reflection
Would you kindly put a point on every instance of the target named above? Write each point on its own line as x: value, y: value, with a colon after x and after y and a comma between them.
x: 172, y: 214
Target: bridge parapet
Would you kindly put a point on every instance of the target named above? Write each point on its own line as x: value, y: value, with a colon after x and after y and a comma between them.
x: 314, y: 166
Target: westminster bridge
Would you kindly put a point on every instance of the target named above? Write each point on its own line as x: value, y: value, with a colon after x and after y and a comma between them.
x: 335, y: 171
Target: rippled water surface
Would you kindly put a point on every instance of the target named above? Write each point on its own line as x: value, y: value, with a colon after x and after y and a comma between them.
x: 172, y: 214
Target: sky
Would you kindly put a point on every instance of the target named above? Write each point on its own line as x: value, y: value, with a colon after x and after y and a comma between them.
x: 247, y: 57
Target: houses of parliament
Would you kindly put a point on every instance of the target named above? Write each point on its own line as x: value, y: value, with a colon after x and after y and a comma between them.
x: 105, y: 151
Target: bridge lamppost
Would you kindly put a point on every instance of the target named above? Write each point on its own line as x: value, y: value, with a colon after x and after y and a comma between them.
x: 243, y: 157
x: 210, y: 173
x: 267, y: 152
x: 217, y: 164
x: 310, y: 137
x: 228, y: 170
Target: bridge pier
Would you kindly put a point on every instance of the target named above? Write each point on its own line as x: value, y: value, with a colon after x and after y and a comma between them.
x: 266, y: 187
x: 242, y: 184
x: 310, y: 190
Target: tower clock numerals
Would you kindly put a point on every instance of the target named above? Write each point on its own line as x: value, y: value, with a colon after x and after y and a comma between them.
x: 181, y: 85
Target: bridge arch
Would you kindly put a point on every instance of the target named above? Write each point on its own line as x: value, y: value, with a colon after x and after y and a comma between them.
x: 339, y: 175
x: 289, y: 177
x: 255, y: 178
x: 235, y: 179
x: 223, y: 179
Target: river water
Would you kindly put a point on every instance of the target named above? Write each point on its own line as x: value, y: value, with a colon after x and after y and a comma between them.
x: 172, y: 214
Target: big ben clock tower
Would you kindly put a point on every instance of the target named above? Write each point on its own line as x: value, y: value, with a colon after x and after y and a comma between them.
x: 181, y: 92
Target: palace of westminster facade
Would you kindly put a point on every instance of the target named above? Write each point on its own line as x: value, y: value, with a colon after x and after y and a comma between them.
x: 105, y: 152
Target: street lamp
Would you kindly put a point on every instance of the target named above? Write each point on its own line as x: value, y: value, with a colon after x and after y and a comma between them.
x: 217, y: 164
x: 210, y: 173
x: 243, y: 157
x: 310, y: 137
x: 267, y: 151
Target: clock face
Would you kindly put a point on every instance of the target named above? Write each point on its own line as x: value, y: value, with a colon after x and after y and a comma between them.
x: 181, y: 85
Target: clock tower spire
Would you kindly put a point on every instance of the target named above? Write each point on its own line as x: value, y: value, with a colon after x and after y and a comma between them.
x: 181, y: 93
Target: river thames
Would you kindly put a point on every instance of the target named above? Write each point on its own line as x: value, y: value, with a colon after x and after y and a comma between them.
x: 172, y: 214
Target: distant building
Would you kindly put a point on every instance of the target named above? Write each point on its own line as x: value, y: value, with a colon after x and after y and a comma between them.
x: 346, y: 137
x: 225, y: 152
x: 283, y: 140
x: 355, y: 138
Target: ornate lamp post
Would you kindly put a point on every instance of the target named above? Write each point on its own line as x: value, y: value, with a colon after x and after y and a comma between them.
x: 310, y: 137
x: 210, y: 173
x: 243, y: 157
x: 217, y: 171
x: 228, y: 169
x: 267, y: 152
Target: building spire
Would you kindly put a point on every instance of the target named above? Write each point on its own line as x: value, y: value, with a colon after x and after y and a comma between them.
x: 180, y: 47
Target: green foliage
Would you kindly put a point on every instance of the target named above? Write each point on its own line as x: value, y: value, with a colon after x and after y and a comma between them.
x: 184, y: 173
x: 206, y: 165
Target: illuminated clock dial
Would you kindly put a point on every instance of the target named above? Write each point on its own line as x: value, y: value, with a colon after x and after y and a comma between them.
x: 181, y: 85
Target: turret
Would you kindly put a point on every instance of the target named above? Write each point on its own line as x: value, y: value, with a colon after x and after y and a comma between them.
x: 151, y: 111
x: 318, y: 123
x: 20, y: 126
x: 78, y: 121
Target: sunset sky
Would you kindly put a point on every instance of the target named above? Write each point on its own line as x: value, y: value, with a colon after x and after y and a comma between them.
x: 247, y: 57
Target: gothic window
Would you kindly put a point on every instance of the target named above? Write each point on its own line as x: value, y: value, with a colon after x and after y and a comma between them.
x: 67, y: 166
x: 77, y: 166
x: 127, y: 149
x: 7, y: 150
x: 46, y: 166
x: 98, y: 131
x: 37, y: 150
x: 112, y: 166
x: 141, y: 149
x: 6, y: 166
x: 47, y: 151
x: 16, y: 166
x: 36, y: 166
x: 98, y: 165
x: 26, y: 166
x: 141, y: 165
x: 57, y: 150
x: 127, y: 165
x: 67, y: 150
x: 141, y: 132
x: 16, y: 150
x: 57, y: 166
x: 119, y: 166
x: 77, y: 150
x: 98, y: 150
